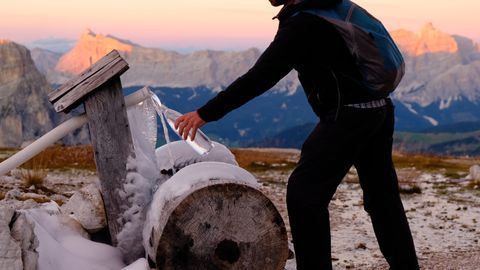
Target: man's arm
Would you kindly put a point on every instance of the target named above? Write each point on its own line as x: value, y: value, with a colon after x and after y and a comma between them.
x: 276, y: 62
x: 271, y: 67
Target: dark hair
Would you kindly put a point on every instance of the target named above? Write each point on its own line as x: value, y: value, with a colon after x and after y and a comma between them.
x: 288, y: 10
x: 278, y: 2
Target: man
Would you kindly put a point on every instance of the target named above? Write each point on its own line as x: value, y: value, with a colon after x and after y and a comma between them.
x: 355, y: 128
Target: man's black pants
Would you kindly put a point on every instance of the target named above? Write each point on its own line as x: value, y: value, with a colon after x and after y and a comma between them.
x: 359, y: 137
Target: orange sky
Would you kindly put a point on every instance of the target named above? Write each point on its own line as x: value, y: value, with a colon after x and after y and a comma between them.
x: 216, y: 24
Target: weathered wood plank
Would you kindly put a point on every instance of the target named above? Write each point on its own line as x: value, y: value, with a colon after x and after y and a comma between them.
x: 100, y: 64
x: 112, y: 143
x: 116, y: 67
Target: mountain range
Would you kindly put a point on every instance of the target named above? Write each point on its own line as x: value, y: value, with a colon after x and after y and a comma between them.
x: 441, y: 84
x: 441, y: 87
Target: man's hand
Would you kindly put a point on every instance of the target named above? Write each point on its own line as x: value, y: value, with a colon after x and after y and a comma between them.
x: 187, y: 122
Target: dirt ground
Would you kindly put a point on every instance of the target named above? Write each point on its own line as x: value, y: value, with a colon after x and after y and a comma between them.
x: 443, y: 208
x: 443, y: 214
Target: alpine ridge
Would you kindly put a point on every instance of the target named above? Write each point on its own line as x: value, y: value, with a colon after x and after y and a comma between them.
x: 441, y: 83
x: 440, y: 68
x: 158, y: 67
x: 24, y: 107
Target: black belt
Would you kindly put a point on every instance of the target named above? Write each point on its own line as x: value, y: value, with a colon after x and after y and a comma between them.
x: 369, y: 105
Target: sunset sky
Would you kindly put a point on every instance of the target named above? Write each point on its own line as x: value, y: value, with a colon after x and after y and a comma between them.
x: 215, y: 24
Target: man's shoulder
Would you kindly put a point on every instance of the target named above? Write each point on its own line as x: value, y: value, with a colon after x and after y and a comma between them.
x: 305, y: 22
x: 302, y: 18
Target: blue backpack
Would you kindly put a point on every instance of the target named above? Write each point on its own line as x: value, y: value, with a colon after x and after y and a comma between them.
x: 379, y: 61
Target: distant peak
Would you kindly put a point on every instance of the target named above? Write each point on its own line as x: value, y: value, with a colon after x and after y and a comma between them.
x: 88, y: 32
x: 89, y: 49
x: 11, y: 43
x: 427, y: 40
x: 5, y: 41
x: 428, y: 27
x: 125, y: 41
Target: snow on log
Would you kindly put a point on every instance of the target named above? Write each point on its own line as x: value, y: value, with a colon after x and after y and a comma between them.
x: 174, y: 156
x: 211, y: 215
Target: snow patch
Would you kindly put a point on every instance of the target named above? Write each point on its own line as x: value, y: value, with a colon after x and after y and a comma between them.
x: 409, y: 89
x: 140, y: 264
x: 257, y: 117
x: 218, y: 89
x: 410, y: 108
x: 431, y: 120
x: 243, y: 132
x: 61, y: 247
x: 194, y: 95
x: 445, y: 103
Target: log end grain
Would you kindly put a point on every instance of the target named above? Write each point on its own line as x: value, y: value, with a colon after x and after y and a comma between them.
x: 223, y: 226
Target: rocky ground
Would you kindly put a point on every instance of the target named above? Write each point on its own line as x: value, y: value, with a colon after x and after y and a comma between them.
x: 444, y: 212
x: 444, y: 216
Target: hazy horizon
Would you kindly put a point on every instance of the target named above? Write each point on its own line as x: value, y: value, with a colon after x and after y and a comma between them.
x: 186, y: 25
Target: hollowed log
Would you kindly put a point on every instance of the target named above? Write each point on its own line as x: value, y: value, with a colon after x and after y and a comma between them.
x: 218, y: 224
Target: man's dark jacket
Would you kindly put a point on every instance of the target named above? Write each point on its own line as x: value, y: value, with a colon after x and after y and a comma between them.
x: 311, y: 46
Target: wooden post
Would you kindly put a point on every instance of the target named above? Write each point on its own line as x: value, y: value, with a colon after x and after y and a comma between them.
x: 100, y: 89
x: 112, y: 144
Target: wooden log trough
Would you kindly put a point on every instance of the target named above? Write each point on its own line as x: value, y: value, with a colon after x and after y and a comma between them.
x: 212, y: 215
x: 209, y: 215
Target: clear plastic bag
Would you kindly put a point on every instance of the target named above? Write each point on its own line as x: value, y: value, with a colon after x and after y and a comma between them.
x: 201, y: 144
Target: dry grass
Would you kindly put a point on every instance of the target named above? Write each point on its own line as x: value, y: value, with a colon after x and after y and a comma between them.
x: 451, y: 167
x: 64, y: 157
x: 6, y: 152
x: 7, y: 149
x: 60, y: 157
x: 81, y: 157
x: 261, y: 160
x: 32, y: 177
x: 34, y: 171
x: 36, y: 199
x: 410, y: 189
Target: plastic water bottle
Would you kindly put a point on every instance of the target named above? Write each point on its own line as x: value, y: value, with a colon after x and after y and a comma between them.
x: 202, y: 144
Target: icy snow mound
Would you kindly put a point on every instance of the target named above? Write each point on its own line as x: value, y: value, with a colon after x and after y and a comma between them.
x: 141, y: 179
x: 183, y: 155
x: 63, y: 247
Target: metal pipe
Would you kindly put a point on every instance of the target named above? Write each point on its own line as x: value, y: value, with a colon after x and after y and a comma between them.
x: 59, y: 132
